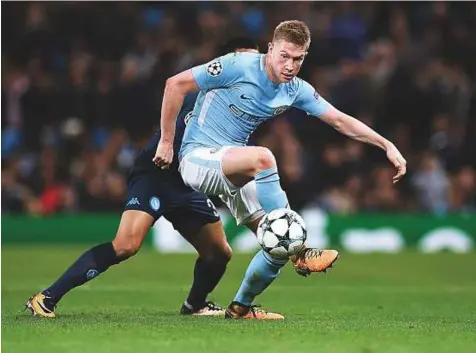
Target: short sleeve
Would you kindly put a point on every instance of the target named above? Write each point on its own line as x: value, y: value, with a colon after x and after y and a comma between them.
x: 310, y: 101
x: 220, y: 72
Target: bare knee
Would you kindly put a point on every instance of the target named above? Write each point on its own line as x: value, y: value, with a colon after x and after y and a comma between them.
x: 263, y: 159
x: 132, y: 231
x: 127, y: 244
x: 243, y: 163
x: 217, y: 253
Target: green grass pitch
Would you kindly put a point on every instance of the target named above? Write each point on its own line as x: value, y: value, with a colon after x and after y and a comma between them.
x: 405, y: 303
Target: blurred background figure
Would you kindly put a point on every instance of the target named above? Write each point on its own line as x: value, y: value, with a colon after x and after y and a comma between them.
x: 432, y: 185
x: 82, y: 90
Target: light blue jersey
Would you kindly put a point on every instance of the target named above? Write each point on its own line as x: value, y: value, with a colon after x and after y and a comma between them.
x: 236, y: 96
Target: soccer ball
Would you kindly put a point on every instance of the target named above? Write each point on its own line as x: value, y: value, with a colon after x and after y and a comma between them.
x: 281, y: 233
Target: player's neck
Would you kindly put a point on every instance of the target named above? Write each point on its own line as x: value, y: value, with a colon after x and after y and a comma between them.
x: 269, y: 72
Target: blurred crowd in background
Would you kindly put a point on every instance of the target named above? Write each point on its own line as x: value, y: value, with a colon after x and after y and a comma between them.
x: 82, y: 90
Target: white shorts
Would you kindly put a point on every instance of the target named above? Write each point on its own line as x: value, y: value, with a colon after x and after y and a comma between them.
x: 201, y: 169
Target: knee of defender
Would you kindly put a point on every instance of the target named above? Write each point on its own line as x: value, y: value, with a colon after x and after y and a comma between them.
x: 217, y: 254
x: 264, y: 159
x: 126, y: 247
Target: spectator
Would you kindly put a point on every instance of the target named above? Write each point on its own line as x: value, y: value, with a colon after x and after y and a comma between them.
x: 82, y: 90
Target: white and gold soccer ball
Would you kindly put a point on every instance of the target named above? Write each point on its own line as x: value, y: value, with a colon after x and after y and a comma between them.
x: 281, y: 233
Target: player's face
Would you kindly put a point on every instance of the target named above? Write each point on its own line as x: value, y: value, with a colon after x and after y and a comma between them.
x: 286, y: 60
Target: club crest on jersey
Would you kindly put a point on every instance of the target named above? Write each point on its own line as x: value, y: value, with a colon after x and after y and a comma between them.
x: 91, y: 274
x: 154, y: 203
x: 215, y: 68
x: 281, y: 109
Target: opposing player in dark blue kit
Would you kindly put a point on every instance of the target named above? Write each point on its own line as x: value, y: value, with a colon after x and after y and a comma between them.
x: 153, y: 193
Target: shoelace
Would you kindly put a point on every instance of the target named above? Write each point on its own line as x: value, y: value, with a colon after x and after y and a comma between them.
x: 312, y: 253
x: 255, y: 309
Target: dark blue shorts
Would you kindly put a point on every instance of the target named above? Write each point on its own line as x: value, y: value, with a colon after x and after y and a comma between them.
x: 162, y: 193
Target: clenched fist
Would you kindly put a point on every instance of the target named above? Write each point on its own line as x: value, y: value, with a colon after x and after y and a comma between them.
x: 164, y: 154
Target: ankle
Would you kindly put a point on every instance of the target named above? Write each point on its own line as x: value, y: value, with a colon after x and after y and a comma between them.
x: 195, y: 305
x: 239, y: 308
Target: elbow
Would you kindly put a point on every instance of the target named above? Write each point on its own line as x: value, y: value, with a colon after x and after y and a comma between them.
x: 179, y: 85
x: 171, y: 84
x: 338, y: 123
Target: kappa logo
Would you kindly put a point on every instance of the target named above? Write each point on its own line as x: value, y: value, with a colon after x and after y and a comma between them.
x: 133, y: 201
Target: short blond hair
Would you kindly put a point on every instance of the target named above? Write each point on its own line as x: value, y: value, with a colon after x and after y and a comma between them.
x: 294, y: 31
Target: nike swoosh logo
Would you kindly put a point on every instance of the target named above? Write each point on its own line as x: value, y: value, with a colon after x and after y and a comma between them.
x: 245, y: 97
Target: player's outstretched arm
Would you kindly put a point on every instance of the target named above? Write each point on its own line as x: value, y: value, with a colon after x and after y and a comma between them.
x: 176, y: 88
x: 313, y: 104
x: 357, y: 130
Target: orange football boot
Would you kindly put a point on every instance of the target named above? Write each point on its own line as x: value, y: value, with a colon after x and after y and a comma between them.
x: 310, y: 260
x: 239, y: 311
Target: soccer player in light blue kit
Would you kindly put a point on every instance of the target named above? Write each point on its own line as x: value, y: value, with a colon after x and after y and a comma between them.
x: 238, y: 92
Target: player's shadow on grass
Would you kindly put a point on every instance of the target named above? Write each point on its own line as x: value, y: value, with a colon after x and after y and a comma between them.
x: 120, y: 318
x: 117, y: 317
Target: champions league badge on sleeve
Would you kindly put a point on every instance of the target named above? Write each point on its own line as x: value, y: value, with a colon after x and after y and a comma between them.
x: 215, y: 68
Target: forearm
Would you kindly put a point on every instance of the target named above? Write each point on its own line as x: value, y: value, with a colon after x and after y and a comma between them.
x: 357, y: 130
x: 171, y: 104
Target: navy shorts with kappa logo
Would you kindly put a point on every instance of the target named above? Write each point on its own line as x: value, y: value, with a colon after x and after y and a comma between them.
x: 162, y: 193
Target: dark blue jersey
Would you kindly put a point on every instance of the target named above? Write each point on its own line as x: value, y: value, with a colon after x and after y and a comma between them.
x: 184, y: 114
x: 161, y: 192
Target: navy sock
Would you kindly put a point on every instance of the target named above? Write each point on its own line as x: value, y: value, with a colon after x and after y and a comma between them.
x: 206, y: 276
x: 88, y: 266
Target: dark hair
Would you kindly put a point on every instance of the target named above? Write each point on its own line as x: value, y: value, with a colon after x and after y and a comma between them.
x: 236, y: 43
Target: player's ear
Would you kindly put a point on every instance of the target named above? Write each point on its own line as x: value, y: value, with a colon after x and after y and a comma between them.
x: 270, y: 46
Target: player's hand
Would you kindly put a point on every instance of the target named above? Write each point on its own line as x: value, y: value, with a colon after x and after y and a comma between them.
x: 164, y: 154
x: 394, y: 156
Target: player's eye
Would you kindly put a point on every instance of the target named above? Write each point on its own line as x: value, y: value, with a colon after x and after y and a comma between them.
x: 284, y: 56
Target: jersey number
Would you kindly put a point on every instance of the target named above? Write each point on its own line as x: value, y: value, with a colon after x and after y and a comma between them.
x: 212, y: 206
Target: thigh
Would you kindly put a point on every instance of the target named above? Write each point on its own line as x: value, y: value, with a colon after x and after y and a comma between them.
x: 201, y: 170
x: 194, y: 211
x: 199, y: 223
x: 241, y: 163
x: 244, y: 205
x: 155, y: 191
x: 210, y: 241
